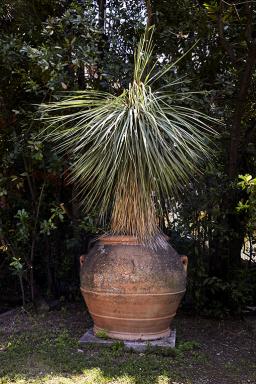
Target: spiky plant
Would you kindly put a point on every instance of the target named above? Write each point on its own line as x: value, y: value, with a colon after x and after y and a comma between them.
x: 131, y: 149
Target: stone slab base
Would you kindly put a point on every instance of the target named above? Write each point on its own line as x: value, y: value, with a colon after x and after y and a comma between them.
x: 140, y: 345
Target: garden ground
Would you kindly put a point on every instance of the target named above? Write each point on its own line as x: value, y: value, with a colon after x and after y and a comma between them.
x: 44, y: 348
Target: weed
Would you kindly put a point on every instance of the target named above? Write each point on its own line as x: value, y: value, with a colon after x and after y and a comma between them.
x: 102, y: 334
x: 117, y: 346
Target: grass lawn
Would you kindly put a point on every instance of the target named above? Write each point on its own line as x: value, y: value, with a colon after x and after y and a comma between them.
x: 44, y: 348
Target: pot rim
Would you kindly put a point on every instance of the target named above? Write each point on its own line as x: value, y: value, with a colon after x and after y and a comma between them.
x: 118, y: 239
x: 121, y: 239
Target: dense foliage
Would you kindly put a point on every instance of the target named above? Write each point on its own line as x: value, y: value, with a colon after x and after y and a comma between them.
x: 49, y: 47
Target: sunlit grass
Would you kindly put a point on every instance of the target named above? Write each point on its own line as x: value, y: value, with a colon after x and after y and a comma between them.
x: 54, y: 357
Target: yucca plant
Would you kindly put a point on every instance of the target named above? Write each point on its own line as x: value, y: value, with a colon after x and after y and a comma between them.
x: 132, y: 150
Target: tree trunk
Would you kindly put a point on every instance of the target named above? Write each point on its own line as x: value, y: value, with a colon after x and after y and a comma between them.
x: 22, y: 290
x: 150, y: 13
x: 102, y: 11
x: 236, y: 129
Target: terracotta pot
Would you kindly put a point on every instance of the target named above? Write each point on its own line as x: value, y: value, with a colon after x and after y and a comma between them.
x: 132, y: 291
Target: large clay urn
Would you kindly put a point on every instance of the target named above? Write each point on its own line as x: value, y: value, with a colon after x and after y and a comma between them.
x: 132, y: 291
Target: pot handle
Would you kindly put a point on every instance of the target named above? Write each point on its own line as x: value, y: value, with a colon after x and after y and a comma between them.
x: 82, y: 260
x: 184, y: 260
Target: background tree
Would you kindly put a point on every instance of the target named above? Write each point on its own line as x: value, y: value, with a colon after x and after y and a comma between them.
x: 49, y: 47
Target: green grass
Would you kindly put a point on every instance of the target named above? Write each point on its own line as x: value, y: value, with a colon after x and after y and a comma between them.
x: 44, y: 349
x: 55, y: 357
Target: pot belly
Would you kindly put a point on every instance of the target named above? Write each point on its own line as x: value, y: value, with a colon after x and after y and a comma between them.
x: 133, y: 316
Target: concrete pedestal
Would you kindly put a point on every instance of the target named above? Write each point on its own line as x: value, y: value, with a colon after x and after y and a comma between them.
x: 140, y: 346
